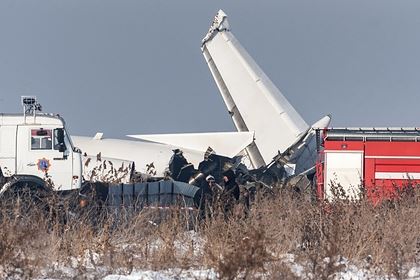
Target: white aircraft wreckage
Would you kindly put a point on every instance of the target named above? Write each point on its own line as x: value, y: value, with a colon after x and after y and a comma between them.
x: 271, y: 135
x: 272, y: 144
x: 256, y: 104
x: 151, y: 157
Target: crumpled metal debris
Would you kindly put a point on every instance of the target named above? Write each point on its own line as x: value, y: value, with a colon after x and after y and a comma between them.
x: 181, y: 170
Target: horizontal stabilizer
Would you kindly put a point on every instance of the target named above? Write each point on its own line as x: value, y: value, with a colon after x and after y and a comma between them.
x: 322, y: 123
x: 98, y: 136
x: 227, y: 144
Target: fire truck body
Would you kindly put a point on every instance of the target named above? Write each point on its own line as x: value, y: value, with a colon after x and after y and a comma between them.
x: 379, y: 161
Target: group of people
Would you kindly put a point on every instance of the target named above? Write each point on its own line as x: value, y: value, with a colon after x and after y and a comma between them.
x: 224, y: 198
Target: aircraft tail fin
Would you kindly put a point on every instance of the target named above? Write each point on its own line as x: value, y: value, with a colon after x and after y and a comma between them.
x: 252, y: 100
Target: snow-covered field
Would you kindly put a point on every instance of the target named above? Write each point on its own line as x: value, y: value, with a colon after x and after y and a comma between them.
x: 346, y: 271
x: 170, y: 274
x: 280, y: 238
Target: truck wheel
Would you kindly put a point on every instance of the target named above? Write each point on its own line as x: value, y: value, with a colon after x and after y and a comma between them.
x: 26, y: 189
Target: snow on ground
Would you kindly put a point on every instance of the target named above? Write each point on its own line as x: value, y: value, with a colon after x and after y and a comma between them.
x: 90, y: 264
x: 64, y: 272
x: 170, y: 274
x: 348, y: 271
x: 414, y: 273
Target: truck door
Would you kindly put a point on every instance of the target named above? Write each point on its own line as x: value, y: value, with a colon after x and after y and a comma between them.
x: 8, y: 150
x: 343, y: 172
x: 39, y: 154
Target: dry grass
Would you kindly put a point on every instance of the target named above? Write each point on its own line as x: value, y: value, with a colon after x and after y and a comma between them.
x: 43, y: 241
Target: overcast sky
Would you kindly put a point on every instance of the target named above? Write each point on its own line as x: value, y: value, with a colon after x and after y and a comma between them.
x: 135, y: 66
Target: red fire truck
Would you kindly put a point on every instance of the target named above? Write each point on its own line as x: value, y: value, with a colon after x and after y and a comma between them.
x: 379, y: 161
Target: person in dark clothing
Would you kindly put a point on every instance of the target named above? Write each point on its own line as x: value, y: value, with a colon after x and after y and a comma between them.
x: 231, y: 192
x: 208, y: 196
x: 176, y: 163
x: 231, y: 187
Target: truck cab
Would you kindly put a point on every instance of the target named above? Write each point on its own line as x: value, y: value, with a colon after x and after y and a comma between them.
x: 37, y: 145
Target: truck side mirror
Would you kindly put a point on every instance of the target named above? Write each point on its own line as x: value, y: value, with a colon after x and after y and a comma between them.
x: 60, y: 140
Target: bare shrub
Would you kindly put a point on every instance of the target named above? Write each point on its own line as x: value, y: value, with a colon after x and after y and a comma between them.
x: 56, y: 239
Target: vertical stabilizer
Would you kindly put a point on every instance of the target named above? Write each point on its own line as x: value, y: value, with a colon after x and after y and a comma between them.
x: 252, y: 100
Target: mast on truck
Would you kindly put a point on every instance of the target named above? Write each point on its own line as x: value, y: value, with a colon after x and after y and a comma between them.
x: 30, y: 106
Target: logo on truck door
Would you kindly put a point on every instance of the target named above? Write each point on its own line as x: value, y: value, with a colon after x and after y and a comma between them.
x: 43, y: 165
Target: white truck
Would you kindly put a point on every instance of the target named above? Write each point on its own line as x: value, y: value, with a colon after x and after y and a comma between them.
x: 36, y: 149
